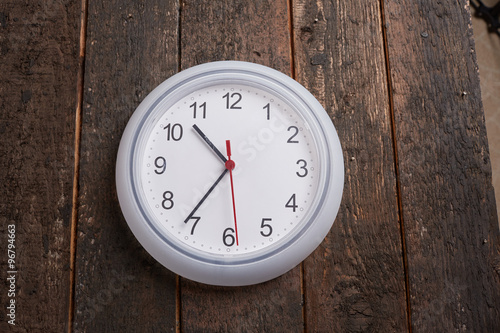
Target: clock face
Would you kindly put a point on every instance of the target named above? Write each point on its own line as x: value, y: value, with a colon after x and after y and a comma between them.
x: 230, y: 173
x: 275, y: 177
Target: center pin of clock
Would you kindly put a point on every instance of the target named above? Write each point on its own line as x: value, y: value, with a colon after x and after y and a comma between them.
x: 230, y: 164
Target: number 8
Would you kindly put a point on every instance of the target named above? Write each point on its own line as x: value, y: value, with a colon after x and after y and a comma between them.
x: 167, y: 196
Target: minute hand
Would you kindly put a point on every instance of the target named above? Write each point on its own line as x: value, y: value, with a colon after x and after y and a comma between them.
x: 205, y: 196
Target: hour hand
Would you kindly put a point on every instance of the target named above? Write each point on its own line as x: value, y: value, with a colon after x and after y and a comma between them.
x: 209, y: 143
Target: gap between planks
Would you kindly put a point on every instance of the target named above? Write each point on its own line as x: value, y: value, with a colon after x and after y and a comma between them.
x: 178, y: 300
x: 76, y: 174
x: 294, y: 76
x: 396, y: 164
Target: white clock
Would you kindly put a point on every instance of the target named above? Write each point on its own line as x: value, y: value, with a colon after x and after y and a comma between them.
x: 230, y: 173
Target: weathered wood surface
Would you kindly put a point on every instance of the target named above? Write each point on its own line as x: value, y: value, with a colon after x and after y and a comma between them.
x: 131, y: 48
x: 38, y: 70
x: 355, y: 280
x: 415, y: 246
x: 451, y: 228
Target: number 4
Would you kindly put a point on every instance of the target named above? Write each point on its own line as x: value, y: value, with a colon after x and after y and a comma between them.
x: 291, y: 203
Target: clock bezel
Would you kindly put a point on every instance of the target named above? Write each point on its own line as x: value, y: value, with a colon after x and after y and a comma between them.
x: 231, y: 269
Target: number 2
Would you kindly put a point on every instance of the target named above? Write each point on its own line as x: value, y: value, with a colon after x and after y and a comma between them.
x: 293, y: 128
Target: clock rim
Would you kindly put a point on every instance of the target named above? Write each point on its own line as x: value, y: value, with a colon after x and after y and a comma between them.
x: 228, y: 271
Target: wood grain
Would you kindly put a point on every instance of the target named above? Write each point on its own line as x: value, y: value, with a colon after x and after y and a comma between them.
x: 444, y: 168
x: 400, y: 82
x: 354, y: 281
x: 39, y: 62
x: 131, y: 48
x: 255, y: 31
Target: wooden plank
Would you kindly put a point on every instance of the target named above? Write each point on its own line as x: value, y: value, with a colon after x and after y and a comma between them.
x: 449, y: 212
x: 355, y: 280
x: 38, y: 67
x: 254, y: 31
x: 131, y: 48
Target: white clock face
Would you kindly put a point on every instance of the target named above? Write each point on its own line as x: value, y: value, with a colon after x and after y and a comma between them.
x: 230, y: 173
x: 187, y: 185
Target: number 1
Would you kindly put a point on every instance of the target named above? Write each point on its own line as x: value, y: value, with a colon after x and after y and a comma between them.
x: 268, y: 108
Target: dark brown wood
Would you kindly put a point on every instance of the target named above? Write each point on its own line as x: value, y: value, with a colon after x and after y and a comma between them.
x: 355, y: 280
x: 448, y: 203
x: 38, y: 66
x: 255, y: 31
x: 131, y: 48
x: 400, y: 82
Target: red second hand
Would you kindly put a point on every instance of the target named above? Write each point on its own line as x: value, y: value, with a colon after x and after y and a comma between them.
x: 230, y: 166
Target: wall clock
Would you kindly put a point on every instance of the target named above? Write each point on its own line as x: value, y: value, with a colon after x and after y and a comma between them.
x: 230, y: 173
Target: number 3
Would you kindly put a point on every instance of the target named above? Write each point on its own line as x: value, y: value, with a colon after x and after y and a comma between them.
x: 303, y: 167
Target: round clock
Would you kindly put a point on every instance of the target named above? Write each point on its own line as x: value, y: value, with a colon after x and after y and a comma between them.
x: 230, y: 173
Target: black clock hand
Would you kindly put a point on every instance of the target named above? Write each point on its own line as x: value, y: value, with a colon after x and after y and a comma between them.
x: 210, y: 144
x: 206, y: 195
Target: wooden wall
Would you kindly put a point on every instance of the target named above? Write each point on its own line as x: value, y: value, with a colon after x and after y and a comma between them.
x: 415, y: 246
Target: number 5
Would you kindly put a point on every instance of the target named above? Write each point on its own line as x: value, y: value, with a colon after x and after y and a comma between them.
x: 268, y: 226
